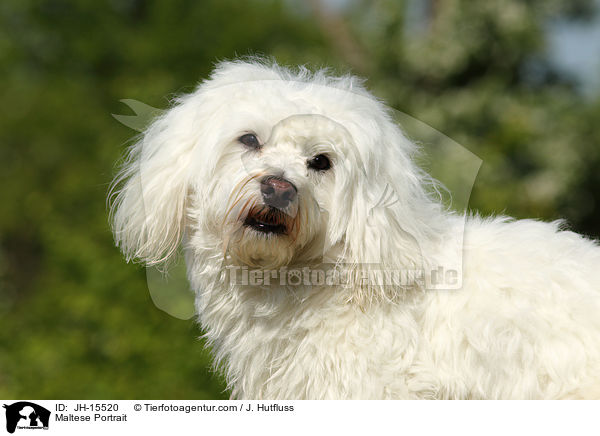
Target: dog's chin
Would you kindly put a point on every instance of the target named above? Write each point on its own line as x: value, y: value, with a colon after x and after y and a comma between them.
x: 257, y: 251
x: 269, y: 238
x: 266, y: 238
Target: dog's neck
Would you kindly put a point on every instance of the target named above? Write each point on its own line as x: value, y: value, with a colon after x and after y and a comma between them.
x: 255, y: 330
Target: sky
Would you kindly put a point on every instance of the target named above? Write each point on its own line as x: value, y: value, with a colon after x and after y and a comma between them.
x: 575, y: 48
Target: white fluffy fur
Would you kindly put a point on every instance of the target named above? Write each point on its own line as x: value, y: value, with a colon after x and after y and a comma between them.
x: 524, y: 325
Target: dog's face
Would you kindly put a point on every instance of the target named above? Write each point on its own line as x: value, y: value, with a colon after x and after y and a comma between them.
x: 270, y: 168
x: 273, y: 183
x: 280, y: 159
x: 278, y: 180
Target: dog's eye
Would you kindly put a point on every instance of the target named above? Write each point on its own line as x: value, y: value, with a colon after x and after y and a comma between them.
x: 319, y: 163
x: 249, y: 140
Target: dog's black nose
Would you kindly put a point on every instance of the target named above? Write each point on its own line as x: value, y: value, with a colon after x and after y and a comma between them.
x: 277, y: 192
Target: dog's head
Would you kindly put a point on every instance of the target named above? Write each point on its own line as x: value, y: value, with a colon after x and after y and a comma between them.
x: 272, y: 167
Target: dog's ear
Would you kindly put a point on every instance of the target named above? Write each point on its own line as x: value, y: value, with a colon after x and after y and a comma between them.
x: 148, y: 196
x: 385, y: 215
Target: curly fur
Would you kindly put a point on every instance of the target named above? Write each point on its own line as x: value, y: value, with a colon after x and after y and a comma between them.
x: 524, y: 324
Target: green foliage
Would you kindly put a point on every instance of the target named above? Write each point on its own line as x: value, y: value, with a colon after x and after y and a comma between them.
x: 77, y: 321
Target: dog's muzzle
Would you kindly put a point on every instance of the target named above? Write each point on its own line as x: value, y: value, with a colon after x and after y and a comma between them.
x: 278, y: 213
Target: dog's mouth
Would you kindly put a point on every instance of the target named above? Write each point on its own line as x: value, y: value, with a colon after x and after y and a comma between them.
x: 267, y: 220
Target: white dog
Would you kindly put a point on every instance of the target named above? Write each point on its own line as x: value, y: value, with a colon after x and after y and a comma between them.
x: 263, y: 171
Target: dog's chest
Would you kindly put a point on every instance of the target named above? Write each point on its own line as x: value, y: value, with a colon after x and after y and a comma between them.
x: 335, y: 352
